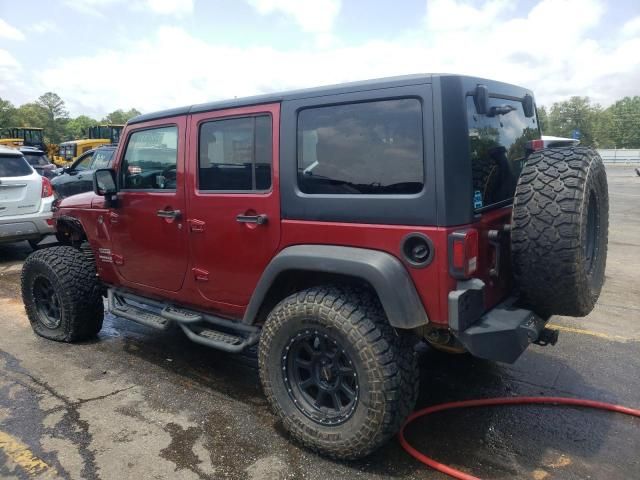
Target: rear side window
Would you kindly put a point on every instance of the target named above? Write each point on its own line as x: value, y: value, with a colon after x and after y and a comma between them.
x: 373, y: 148
x: 497, y: 143
x: 13, y: 166
x: 150, y: 160
x: 235, y: 154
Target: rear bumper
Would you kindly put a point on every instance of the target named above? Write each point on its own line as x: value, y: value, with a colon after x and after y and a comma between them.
x: 501, y: 334
x: 27, y: 227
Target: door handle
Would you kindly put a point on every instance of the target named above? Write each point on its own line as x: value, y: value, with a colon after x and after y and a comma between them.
x: 259, y: 219
x: 173, y: 214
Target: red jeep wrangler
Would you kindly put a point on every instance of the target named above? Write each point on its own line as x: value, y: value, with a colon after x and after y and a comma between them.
x: 333, y: 227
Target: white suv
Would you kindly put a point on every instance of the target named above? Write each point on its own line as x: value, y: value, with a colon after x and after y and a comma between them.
x: 25, y: 200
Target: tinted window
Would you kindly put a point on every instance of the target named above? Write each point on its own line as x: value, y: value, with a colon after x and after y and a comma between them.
x: 84, y: 162
x: 36, y: 160
x: 12, y: 166
x: 362, y: 148
x: 235, y: 154
x: 497, y: 144
x: 150, y: 160
x: 102, y: 158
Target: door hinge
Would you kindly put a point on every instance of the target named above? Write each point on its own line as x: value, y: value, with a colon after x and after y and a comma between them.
x: 196, y: 226
x: 200, y: 275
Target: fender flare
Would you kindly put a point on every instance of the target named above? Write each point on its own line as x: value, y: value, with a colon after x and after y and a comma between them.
x: 384, y: 272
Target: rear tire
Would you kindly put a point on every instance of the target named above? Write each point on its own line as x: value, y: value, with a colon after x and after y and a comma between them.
x: 62, y: 294
x: 380, y: 368
x: 559, y: 231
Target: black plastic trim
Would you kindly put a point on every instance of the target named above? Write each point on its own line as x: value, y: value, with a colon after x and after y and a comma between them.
x: 412, y: 209
x: 386, y: 274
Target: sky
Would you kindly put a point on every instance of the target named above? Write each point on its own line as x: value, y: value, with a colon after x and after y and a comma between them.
x: 101, y: 55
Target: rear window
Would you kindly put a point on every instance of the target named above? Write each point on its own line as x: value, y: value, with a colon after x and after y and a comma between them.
x: 12, y: 166
x: 37, y: 160
x: 370, y: 148
x: 497, y: 143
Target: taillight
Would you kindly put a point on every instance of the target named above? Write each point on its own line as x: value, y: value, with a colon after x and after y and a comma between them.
x: 47, y: 189
x: 463, y: 253
x: 535, y: 145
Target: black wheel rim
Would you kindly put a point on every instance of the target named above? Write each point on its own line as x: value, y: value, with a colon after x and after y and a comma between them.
x: 320, y: 377
x: 591, y: 241
x: 47, y: 303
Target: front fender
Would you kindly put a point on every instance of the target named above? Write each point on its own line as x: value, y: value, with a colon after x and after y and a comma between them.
x: 384, y: 272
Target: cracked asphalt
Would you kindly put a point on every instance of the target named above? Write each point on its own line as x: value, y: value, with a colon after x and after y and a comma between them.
x: 137, y: 403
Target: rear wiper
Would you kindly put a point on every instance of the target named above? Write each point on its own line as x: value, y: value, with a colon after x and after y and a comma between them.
x: 500, y: 110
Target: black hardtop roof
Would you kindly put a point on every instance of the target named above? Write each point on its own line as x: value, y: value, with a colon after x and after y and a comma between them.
x: 289, y: 95
x: 350, y: 87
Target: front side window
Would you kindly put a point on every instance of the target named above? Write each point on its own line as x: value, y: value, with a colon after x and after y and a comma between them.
x: 150, y: 160
x: 235, y: 154
x: 373, y: 148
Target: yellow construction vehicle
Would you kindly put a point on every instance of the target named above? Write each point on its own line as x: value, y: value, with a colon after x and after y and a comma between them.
x: 98, y: 136
x: 23, y: 137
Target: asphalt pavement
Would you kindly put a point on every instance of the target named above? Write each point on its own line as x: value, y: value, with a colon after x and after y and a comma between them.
x: 137, y: 403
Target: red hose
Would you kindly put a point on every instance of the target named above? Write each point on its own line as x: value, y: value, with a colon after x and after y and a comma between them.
x: 489, y: 402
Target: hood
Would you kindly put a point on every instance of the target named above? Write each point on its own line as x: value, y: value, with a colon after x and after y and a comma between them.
x: 81, y: 200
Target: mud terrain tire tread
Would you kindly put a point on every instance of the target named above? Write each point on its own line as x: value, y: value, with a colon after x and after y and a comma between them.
x: 386, y: 357
x: 73, y: 275
x: 549, y: 231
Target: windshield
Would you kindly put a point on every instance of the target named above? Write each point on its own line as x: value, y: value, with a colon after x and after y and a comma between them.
x: 497, y: 144
x: 14, y: 166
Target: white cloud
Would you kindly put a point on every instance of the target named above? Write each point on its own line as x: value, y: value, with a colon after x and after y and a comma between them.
x: 160, y: 7
x: 632, y: 27
x: 170, y: 7
x: 10, y: 32
x: 43, y: 26
x: 313, y: 16
x: 536, y: 49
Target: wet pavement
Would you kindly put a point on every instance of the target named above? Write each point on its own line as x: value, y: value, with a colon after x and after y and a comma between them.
x: 137, y: 403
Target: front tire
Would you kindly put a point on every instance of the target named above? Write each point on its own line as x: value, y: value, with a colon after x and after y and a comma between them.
x: 335, y: 372
x: 62, y: 294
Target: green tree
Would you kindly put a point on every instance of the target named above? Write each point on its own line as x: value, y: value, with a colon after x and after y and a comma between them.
x: 79, y: 127
x: 543, y: 119
x: 31, y: 115
x: 7, y: 114
x: 623, y: 123
x: 119, y: 117
x: 577, y: 113
x: 56, y: 114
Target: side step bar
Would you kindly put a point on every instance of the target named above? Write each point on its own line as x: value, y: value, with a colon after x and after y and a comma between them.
x: 202, y: 328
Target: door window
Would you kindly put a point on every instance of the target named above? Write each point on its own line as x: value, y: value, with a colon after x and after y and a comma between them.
x: 150, y: 160
x: 235, y: 154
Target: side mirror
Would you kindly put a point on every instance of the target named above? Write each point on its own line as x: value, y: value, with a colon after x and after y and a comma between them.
x: 528, y: 106
x: 481, y: 99
x: 104, y: 182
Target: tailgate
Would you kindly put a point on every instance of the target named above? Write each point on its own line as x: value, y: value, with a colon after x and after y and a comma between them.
x: 20, y: 195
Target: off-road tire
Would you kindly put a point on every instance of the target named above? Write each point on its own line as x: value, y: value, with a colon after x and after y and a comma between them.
x: 558, y: 190
x: 384, y: 359
x: 73, y: 278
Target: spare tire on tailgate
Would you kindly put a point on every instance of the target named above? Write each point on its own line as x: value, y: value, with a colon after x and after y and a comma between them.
x: 559, y: 231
